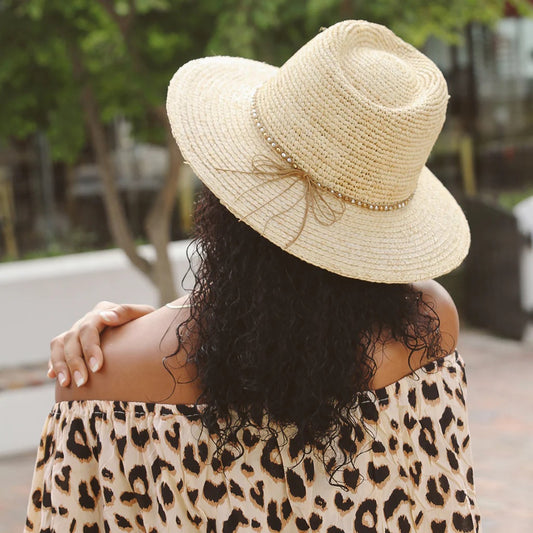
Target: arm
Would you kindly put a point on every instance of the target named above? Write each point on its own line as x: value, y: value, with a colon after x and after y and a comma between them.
x: 75, y: 351
x: 133, y: 367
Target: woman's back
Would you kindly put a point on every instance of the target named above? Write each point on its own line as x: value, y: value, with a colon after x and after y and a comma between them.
x: 114, y: 456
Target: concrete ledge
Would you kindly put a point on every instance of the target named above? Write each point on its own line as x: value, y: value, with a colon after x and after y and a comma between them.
x: 40, y: 299
x: 23, y: 412
x: 43, y: 297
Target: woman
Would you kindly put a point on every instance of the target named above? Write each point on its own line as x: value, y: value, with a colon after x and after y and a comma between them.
x: 312, y: 383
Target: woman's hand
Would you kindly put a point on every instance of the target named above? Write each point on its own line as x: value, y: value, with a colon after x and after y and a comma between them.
x: 77, y: 349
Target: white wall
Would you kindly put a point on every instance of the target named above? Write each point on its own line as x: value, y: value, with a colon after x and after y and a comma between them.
x: 23, y: 412
x: 43, y: 297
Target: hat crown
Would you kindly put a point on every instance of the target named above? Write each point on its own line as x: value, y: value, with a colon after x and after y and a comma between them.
x: 358, y: 109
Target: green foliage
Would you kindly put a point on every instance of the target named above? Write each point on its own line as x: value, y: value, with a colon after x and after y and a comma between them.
x: 271, y: 30
x: 129, y: 49
x: 39, y: 89
x: 75, y: 242
x: 510, y: 199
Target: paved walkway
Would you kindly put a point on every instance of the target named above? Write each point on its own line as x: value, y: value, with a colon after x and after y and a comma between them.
x: 500, y: 400
x: 501, y: 416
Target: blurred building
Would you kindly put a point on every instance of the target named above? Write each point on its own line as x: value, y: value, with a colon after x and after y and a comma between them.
x: 52, y: 208
x: 490, y: 80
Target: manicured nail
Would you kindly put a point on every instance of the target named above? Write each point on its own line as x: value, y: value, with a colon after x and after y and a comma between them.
x: 62, y: 379
x: 108, y: 316
x: 78, y: 378
x: 93, y: 364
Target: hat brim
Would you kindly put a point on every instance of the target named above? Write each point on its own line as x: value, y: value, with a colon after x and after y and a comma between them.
x: 209, y: 109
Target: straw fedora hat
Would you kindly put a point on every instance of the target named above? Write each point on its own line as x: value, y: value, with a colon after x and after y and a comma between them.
x: 325, y: 156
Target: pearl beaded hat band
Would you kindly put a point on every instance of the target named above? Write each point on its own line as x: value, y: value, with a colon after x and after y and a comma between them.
x: 325, y: 156
x: 291, y: 160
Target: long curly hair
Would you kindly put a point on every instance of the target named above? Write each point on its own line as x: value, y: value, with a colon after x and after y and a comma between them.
x: 280, y: 342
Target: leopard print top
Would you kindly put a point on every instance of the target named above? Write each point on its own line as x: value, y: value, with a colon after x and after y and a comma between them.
x: 127, y: 466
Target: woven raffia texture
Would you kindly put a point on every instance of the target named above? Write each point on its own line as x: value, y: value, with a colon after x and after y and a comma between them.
x: 358, y: 110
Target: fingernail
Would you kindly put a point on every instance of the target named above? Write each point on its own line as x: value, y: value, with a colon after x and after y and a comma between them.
x: 108, y: 316
x: 78, y: 378
x: 93, y: 364
x: 62, y: 379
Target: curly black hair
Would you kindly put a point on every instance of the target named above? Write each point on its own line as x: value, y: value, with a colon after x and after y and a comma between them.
x: 280, y: 342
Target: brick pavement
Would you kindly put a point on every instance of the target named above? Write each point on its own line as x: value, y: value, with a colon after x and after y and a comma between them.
x: 501, y: 417
x: 500, y: 401
x: 23, y: 376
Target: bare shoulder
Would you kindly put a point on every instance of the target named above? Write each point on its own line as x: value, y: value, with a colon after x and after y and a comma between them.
x: 435, y: 295
x: 393, y: 358
x: 134, y: 368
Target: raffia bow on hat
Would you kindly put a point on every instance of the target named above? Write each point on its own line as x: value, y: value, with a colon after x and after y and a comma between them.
x: 356, y: 112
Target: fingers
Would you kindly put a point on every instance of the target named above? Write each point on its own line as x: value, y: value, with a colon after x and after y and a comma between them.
x: 120, y: 314
x: 92, y: 325
x: 72, y: 351
x: 89, y: 341
x: 51, y: 372
x: 74, y: 358
x: 57, y: 365
x: 75, y: 350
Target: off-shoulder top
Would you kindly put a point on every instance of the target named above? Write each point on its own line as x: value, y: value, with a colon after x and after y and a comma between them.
x: 131, y: 466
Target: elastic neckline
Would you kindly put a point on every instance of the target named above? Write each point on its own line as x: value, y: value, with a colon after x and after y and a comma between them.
x: 376, y: 395
x: 427, y: 368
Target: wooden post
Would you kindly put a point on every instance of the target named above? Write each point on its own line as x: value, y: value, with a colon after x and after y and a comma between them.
x: 7, y: 215
x: 466, y: 155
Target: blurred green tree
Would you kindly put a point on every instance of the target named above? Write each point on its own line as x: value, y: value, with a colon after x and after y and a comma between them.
x: 68, y: 68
